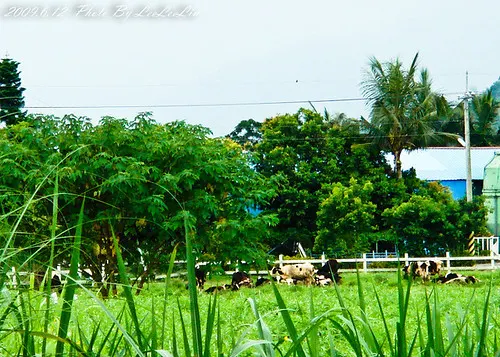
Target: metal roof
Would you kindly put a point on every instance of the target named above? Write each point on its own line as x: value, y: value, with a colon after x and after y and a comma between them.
x: 446, y: 163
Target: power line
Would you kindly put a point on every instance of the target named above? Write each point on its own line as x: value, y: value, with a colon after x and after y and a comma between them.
x: 199, y: 105
x: 236, y: 104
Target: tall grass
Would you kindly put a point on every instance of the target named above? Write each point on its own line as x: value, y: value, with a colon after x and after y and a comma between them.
x: 134, y: 329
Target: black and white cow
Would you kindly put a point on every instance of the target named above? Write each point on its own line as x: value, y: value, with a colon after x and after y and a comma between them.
x: 425, y: 269
x: 240, y: 279
x: 293, y: 273
x: 328, y: 273
x: 451, y: 278
x: 217, y: 288
x: 201, y: 277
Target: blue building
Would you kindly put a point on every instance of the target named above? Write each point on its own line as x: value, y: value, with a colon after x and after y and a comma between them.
x: 447, y: 165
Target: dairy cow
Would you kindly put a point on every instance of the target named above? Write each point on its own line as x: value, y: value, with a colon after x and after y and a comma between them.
x: 328, y: 273
x: 423, y: 269
x: 293, y: 273
x: 240, y: 279
x: 451, y: 278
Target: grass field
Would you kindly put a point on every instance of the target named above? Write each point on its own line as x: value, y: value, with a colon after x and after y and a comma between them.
x: 334, y: 320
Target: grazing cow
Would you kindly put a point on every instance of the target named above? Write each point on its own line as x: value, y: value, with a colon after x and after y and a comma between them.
x: 328, y: 273
x: 215, y: 289
x: 451, y: 278
x: 55, y: 283
x: 201, y: 277
x: 424, y: 269
x: 240, y: 279
x: 331, y: 267
x: 296, y: 272
x: 261, y: 281
x: 323, y: 280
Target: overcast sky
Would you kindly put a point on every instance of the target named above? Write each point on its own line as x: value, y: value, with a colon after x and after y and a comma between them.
x: 232, y: 51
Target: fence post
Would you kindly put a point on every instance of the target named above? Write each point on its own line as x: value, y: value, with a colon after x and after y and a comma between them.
x: 14, y: 278
x: 323, y: 259
x: 492, y: 259
x: 59, y: 271
x: 281, y: 260
x: 386, y: 253
x: 448, y: 262
x: 365, y: 265
x: 407, y: 260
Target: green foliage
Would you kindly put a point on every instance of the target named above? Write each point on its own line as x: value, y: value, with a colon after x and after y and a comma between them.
x: 404, y: 110
x: 344, y: 217
x: 11, y: 92
x: 431, y: 222
x: 303, y: 153
x: 247, y: 133
x: 134, y: 175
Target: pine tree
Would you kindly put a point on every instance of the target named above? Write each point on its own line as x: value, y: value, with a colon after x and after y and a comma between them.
x: 11, y: 92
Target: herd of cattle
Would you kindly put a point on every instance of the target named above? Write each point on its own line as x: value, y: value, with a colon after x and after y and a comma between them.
x: 328, y: 274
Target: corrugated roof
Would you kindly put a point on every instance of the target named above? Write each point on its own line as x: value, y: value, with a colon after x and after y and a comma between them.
x: 445, y: 163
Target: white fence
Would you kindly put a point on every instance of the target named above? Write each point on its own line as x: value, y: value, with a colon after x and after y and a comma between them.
x: 488, y: 243
x: 491, y: 262
x: 488, y: 262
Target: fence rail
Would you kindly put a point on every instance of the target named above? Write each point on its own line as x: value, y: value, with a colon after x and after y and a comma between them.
x: 492, y: 262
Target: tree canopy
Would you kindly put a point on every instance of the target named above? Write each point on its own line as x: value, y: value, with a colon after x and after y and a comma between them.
x: 11, y: 92
x: 138, y: 177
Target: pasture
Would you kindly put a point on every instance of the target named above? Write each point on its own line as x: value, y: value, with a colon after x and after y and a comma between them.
x: 345, y: 320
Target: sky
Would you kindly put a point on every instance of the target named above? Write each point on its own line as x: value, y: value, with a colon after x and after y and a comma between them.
x: 198, y: 61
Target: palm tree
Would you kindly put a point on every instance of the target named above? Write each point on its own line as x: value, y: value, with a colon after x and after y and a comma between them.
x: 484, y: 120
x: 404, y: 111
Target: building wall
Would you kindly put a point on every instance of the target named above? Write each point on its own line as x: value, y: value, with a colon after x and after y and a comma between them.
x: 457, y: 187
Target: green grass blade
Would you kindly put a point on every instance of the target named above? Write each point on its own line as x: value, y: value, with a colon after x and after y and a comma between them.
x: 481, y: 348
x: 219, y: 334
x: 384, y: 321
x: 187, y: 350
x: 175, y: 352
x: 53, y: 229
x: 154, y: 333
x: 313, y: 326
x: 240, y: 348
x: 69, y: 290
x: 210, y: 325
x: 165, y: 295
x: 262, y: 329
x: 127, y: 289
x: 313, y: 338
x: 288, y: 320
x: 193, y: 290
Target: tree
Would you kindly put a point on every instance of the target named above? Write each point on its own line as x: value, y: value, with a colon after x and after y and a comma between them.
x: 344, y: 218
x: 139, y: 179
x: 403, y: 109
x: 11, y: 92
x: 484, y: 120
x: 247, y: 133
x: 301, y: 154
x: 432, y: 222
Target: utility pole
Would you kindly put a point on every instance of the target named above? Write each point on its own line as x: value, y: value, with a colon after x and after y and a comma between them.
x: 468, y: 167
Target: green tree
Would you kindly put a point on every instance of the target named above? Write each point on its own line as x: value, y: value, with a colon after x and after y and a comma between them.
x: 484, y: 120
x: 344, y: 218
x: 431, y: 222
x: 11, y: 92
x: 301, y: 153
x: 138, y: 177
x: 403, y: 109
x: 246, y: 133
